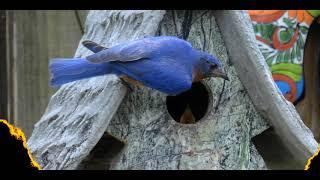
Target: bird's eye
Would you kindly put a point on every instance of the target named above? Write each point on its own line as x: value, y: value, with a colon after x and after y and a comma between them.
x: 213, y: 66
x: 209, y: 62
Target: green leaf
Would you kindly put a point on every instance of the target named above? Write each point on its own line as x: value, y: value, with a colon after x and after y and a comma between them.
x: 294, y: 71
x: 264, y: 32
x: 285, y: 36
x: 288, y: 22
x: 282, y: 57
x: 294, y: 68
x: 293, y: 53
x: 255, y: 28
x: 259, y: 28
x: 269, y: 31
x: 293, y: 76
x: 300, y: 42
x: 278, y: 57
x: 298, y: 50
x: 314, y: 13
x: 287, y: 56
x: 304, y: 29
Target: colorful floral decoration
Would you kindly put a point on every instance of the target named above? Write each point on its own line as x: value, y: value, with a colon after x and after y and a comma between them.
x: 281, y: 35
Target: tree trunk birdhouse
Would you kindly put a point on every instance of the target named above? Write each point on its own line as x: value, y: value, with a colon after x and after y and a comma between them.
x: 98, y: 123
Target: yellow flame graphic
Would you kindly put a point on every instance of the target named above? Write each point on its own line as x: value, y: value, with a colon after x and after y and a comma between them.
x: 19, y: 135
x: 310, y: 159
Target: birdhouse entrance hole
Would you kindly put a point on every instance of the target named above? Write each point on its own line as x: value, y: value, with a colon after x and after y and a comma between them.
x: 190, y: 106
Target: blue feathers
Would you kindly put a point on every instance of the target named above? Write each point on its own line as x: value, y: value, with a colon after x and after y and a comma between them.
x: 68, y: 70
x: 164, y: 63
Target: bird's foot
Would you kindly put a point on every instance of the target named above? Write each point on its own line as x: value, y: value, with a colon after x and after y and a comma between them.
x: 125, y: 83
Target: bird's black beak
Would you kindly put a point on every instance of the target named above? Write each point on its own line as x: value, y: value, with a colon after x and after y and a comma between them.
x: 216, y: 72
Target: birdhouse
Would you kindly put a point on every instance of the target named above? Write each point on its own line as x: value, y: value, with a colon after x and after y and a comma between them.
x: 99, y: 123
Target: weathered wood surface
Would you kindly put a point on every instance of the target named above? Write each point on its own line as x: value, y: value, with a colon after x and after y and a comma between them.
x: 33, y: 38
x: 80, y: 112
x: 255, y: 76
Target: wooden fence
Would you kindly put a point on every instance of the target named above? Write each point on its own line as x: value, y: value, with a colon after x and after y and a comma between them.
x: 28, y: 39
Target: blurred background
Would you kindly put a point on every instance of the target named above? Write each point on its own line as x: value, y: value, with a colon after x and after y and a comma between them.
x: 28, y: 39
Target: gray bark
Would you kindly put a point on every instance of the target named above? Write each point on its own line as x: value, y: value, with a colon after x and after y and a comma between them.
x: 81, y: 112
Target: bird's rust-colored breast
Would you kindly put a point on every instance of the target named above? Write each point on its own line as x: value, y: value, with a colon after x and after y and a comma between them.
x: 197, y: 75
x: 131, y: 81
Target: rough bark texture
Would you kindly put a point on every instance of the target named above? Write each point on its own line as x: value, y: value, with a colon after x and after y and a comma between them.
x: 80, y: 112
x: 256, y: 77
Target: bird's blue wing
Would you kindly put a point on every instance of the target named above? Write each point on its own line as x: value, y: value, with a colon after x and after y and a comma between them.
x: 139, y: 49
x: 168, y: 76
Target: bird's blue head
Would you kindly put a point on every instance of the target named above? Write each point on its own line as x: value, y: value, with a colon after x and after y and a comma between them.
x: 210, y: 66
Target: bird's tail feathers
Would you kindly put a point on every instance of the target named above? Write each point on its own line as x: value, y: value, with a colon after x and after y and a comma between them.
x: 65, y: 70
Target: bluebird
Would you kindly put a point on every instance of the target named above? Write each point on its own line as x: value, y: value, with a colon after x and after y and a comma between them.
x: 165, y: 63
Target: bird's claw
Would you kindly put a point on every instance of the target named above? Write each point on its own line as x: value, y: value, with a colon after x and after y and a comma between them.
x: 127, y: 85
